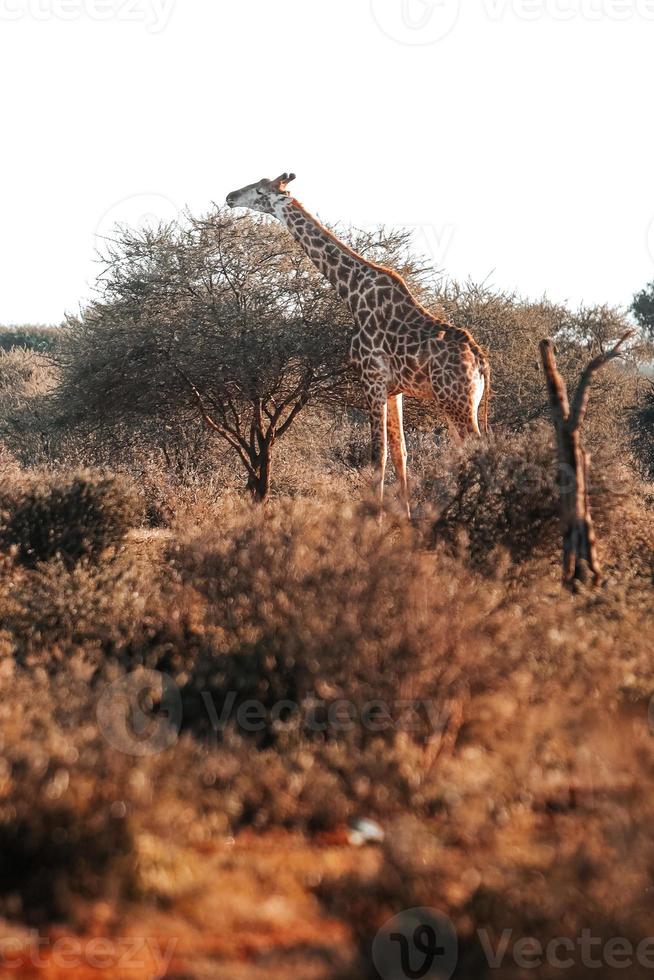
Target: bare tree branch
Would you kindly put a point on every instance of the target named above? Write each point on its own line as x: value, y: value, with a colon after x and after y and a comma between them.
x: 580, y: 401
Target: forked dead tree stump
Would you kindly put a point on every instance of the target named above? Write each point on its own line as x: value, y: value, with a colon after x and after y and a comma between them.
x: 580, y: 559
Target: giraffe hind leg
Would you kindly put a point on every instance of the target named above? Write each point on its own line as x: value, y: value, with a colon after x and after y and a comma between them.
x: 456, y: 434
x: 462, y: 419
x: 395, y: 424
x: 462, y: 427
x: 459, y: 402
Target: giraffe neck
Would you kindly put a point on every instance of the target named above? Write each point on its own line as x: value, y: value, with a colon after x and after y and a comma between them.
x: 341, y: 265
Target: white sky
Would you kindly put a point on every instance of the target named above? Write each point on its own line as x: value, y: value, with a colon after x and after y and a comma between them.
x: 517, y: 135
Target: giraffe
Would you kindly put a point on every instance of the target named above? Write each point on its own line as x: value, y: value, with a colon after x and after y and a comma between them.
x: 399, y: 347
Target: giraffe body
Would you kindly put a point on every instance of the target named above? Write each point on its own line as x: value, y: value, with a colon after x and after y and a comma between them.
x: 400, y: 348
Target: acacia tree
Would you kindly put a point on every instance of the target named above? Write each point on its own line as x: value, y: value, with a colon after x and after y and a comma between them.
x: 220, y: 321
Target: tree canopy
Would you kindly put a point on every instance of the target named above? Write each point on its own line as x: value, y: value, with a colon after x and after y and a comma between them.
x: 220, y: 319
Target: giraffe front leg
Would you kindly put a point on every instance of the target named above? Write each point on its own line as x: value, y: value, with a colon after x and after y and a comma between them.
x: 378, y: 418
x: 395, y: 426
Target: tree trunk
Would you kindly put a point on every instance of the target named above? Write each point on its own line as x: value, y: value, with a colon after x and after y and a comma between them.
x: 258, y: 484
x: 580, y: 559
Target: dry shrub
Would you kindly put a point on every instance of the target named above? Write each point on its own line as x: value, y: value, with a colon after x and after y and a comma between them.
x: 642, y: 426
x: 545, y: 809
x: 9, y: 466
x: 308, y: 601
x: 69, y: 517
x: 538, y: 694
x: 27, y: 380
x: 57, y: 835
x: 502, y: 496
x: 24, y: 375
x: 77, y: 817
x: 54, y: 615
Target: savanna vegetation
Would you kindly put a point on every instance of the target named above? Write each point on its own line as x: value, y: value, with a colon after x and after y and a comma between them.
x: 242, y: 726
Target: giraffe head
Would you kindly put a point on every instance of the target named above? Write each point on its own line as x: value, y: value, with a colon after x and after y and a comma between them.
x: 262, y: 196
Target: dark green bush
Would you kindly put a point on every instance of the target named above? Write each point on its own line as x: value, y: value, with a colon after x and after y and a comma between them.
x: 29, y: 336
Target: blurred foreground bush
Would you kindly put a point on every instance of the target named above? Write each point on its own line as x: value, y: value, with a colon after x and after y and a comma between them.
x: 70, y: 517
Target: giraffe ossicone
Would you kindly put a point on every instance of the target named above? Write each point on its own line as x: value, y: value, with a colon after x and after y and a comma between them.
x: 399, y: 347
